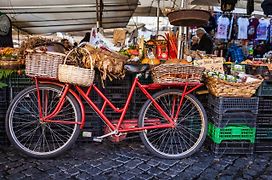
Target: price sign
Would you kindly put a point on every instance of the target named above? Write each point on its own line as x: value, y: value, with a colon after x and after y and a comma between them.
x: 211, y: 64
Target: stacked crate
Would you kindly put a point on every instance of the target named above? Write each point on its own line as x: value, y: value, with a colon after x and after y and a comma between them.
x: 4, y: 102
x: 264, y: 126
x: 17, y: 83
x: 93, y: 123
x: 117, y: 92
x: 232, y: 124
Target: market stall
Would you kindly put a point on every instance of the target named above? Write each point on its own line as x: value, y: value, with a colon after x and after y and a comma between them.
x: 237, y: 73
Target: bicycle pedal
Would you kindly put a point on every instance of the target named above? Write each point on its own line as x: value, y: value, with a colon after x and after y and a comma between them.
x: 86, y: 134
x: 97, y: 139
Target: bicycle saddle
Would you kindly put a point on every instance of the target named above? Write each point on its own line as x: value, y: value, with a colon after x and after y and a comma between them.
x: 136, y: 68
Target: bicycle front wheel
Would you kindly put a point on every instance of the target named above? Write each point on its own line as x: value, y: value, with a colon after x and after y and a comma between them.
x: 34, y: 137
x: 186, y: 137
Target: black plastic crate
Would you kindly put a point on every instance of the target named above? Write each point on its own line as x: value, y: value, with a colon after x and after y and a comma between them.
x: 223, y: 105
x: 265, y: 89
x: 16, y: 80
x: 125, y: 82
x: 232, y: 147
x: 265, y: 106
x: 4, y: 95
x: 263, y: 146
x: 264, y: 119
x: 235, y: 118
x: 259, y: 70
x: 264, y: 132
x: 13, y: 91
x: 117, y: 95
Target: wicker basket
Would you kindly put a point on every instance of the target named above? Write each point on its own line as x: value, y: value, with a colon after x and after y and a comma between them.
x: 189, y: 17
x: 220, y: 88
x: 43, y: 64
x: 76, y: 75
x: 175, y: 73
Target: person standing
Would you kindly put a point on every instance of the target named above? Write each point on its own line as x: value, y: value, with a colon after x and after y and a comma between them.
x: 194, y: 45
x: 205, y: 42
x: 5, y: 31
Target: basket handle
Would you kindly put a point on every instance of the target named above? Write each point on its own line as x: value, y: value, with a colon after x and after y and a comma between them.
x: 69, y: 53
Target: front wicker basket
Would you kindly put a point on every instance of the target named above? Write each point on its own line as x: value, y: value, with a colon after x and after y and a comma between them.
x: 220, y: 88
x: 76, y: 75
x: 176, y: 73
x: 43, y: 64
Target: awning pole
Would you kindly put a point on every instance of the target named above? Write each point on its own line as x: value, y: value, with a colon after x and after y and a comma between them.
x: 97, y: 15
x: 158, y: 18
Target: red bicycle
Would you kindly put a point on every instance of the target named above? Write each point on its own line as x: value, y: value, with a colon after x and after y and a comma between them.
x: 45, y: 119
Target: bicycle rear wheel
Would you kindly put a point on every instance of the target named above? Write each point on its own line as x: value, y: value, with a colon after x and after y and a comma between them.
x: 191, y: 125
x: 39, y: 139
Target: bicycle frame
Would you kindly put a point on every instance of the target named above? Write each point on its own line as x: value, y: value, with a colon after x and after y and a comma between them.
x: 115, y: 127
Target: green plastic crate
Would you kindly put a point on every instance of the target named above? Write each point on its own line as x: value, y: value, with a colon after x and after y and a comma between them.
x: 237, y: 132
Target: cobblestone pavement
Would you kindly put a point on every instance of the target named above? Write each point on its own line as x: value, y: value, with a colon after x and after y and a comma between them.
x: 130, y: 160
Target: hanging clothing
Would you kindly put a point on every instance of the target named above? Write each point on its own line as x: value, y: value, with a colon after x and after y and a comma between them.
x: 250, y: 7
x: 222, y: 27
x: 253, y: 24
x: 262, y: 29
x: 5, y: 31
x: 242, y: 27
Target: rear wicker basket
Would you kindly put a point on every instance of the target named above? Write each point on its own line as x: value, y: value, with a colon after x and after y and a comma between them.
x: 43, y: 64
x: 189, y: 17
x: 220, y: 88
x: 176, y: 73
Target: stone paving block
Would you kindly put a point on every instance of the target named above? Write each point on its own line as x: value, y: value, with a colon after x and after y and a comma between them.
x: 60, y: 175
x: 96, y: 163
x: 100, y: 177
x: 123, y: 159
x: 104, y: 167
x: 84, y: 167
x: 171, y: 173
x: 72, y: 171
x: 153, y: 163
x: 168, y: 162
x: 53, y: 171
x: 16, y: 176
x: 163, y: 176
x: 179, y: 167
x: 133, y: 163
x: 127, y: 176
x: 154, y: 171
x: 163, y: 167
x: 145, y: 176
x: 31, y: 171
x: 93, y: 171
x: 136, y: 171
x: 122, y: 169
x: 83, y: 176
x: 144, y: 167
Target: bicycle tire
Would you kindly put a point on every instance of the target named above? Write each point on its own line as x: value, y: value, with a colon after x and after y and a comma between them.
x: 36, y: 139
x: 187, y: 126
